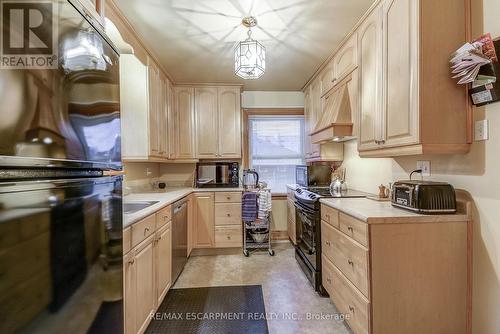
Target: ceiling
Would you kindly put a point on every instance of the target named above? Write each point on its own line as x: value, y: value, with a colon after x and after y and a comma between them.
x: 195, y: 39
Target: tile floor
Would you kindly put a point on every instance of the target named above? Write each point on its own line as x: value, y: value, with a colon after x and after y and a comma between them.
x: 287, y: 293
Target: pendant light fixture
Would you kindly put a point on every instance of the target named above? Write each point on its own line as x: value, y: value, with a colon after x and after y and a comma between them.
x: 249, y: 55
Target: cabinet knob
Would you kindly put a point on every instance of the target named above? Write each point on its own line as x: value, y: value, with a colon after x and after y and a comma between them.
x: 329, y: 280
x: 350, y: 262
x: 228, y: 237
x: 229, y: 215
x: 228, y: 198
x: 349, y: 228
x: 328, y: 243
x: 131, y: 261
x: 146, y: 230
x: 351, y: 308
x: 334, y: 79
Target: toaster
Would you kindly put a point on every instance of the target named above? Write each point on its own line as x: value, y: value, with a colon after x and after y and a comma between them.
x: 424, y: 197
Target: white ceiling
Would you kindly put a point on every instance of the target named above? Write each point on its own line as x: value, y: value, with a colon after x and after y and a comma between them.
x: 195, y: 39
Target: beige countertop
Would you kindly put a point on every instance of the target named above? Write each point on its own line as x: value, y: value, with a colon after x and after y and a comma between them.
x: 374, y: 212
x: 164, y: 198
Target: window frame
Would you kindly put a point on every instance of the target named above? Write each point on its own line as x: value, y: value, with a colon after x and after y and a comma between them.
x: 264, y: 112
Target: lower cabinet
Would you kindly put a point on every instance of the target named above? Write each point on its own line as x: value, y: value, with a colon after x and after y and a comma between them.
x: 217, y: 220
x: 147, y: 272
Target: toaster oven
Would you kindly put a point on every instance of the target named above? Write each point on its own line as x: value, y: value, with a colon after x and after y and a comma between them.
x: 424, y: 197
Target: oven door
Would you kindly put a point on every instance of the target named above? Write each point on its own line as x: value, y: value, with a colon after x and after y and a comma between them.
x: 61, y: 256
x: 307, y: 220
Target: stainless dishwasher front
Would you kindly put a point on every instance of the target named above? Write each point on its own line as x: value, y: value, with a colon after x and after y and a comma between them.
x: 179, y: 237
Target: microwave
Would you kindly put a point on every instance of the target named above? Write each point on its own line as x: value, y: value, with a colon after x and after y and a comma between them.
x: 218, y: 174
x: 313, y: 176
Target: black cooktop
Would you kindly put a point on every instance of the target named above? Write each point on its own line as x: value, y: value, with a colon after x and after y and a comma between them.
x: 325, y: 192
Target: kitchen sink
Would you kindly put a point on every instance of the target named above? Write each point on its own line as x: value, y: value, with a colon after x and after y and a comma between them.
x: 132, y: 207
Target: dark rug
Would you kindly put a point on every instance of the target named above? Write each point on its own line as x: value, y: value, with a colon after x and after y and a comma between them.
x: 109, y: 319
x: 213, y: 310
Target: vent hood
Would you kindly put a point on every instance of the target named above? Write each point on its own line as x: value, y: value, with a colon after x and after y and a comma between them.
x: 336, y: 121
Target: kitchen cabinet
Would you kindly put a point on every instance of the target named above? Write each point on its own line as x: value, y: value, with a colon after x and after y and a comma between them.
x: 365, y: 270
x: 218, y: 122
x: 147, y: 267
x: 207, y: 122
x: 370, y: 79
x: 228, y: 225
x: 327, y: 77
x: 345, y: 60
x: 163, y: 262
x: 144, y: 111
x: 204, y: 220
x: 184, y: 125
x: 143, y: 283
x: 422, y: 110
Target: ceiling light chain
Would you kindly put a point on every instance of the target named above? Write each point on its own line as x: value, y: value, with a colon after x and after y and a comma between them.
x: 249, y: 55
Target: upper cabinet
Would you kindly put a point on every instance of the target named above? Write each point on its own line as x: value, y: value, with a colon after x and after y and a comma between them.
x: 184, y: 123
x: 218, y: 122
x: 422, y: 109
x: 345, y: 60
x: 370, y: 79
x: 144, y: 110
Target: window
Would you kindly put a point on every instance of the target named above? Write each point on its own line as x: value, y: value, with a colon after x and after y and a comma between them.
x: 275, y: 147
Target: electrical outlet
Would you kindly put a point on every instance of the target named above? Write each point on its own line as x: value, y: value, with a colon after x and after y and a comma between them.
x: 425, y: 166
x: 481, y: 130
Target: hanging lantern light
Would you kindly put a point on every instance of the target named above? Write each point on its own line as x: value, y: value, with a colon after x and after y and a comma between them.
x: 249, y: 55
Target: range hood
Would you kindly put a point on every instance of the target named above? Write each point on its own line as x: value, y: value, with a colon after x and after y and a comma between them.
x: 336, y: 121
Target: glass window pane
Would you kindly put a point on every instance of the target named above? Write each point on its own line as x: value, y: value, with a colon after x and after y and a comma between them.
x: 276, y: 146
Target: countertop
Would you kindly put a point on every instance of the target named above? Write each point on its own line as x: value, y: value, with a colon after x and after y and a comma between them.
x: 164, y: 197
x: 374, y: 212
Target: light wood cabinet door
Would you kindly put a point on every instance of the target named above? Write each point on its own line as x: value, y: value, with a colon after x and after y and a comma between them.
x: 129, y: 293
x: 185, y: 143
x: 154, y: 110
x: 163, y: 262
x: 307, y: 121
x: 400, y: 54
x: 370, y: 80
x: 163, y: 118
x: 171, y: 121
x: 207, y: 122
x: 204, y: 224
x: 327, y: 78
x: 144, y: 284
x: 345, y: 61
x: 229, y: 122
x: 316, y: 111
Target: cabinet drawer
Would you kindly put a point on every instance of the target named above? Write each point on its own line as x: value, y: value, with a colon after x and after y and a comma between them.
x: 228, y: 236
x: 354, y: 228
x: 327, y: 240
x: 349, y: 301
x: 327, y: 274
x: 330, y: 215
x: 127, y: 240
x: 228, y: 197
x: 351, y: 259
x: 227, y: 213
x: 163, y: 216
x: 143, y: 229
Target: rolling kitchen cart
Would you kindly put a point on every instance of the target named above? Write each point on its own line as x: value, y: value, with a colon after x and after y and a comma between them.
x: 257, y: 233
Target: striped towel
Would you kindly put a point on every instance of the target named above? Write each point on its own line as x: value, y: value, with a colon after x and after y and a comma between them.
x: 249, y: 207
x: 265, y: 204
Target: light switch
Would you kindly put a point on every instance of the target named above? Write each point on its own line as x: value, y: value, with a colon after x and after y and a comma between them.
x: 481, y: 130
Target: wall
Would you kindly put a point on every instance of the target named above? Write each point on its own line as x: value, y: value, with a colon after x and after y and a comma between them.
x: 476, y: 172
x: 255, y: 99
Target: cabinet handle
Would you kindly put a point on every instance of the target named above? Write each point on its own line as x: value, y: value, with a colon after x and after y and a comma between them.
x: 146, y: 230
x: 350, y: 262
x: 228, y: 237
x: 334, y: 79
x: 229, y: 215
x: 351, y: 308
x: 228, y: 198
x: 131, y: 261
x: 349, y: 228
x: 328, y: 243
x: 327, y: 216
x: 329, y: 280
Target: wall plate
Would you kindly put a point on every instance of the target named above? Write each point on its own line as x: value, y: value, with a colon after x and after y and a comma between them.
x: 481, y: 130
x: 425, y: 166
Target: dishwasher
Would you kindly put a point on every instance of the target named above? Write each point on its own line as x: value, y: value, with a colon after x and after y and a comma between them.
x: 179, y: 237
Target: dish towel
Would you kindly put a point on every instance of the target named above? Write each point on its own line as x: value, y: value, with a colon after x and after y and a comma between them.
x: 249, y: 206
x: 265, y: 202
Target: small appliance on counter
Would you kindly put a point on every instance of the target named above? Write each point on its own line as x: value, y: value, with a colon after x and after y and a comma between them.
x: 250, y: 179
x: 424, y: 197
x: 218, y: 174
x: 308, y: 176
